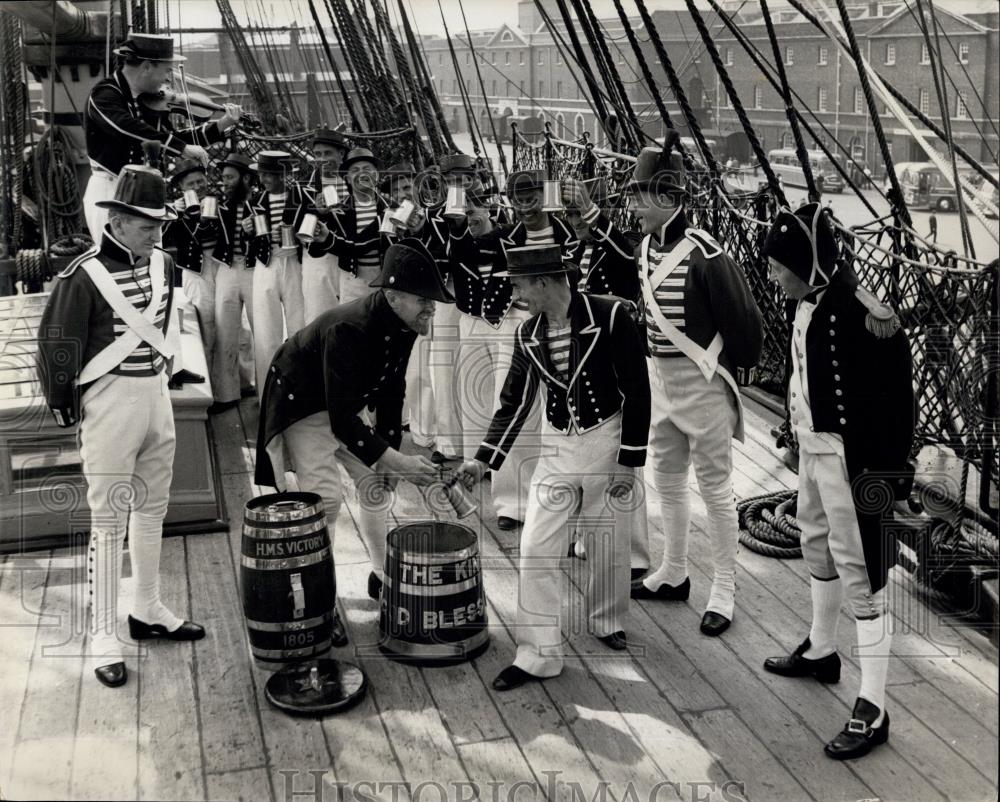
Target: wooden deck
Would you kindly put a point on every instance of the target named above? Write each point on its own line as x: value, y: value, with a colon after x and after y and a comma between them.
x: 680, y: 716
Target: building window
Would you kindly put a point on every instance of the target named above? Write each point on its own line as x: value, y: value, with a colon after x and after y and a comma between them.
x: 506, y: 36
x: 454, y: 86
x: 925, y: 54
x: 541, y: 88
x: 558, y: 88
x: 757, y: 100
x: 558, y: 57
x: 468, y: 57
x: 890, y: 54
x: 789, y: 56
x: 963, y: 52
x: 541, y: 57
x: 729, y: 57
x: 727, y: 102
x: 859, y: 100
x: 821, y: 99
x: 520, y: 87
x: 493, y: 57
x: 961, y: 109
x: 506, y: 57
x: 520, y: 57
x: 824, y: 56
x: 925, y: 101
x: 440, y: 59
x: 494, y: 87
x: 621, y: 56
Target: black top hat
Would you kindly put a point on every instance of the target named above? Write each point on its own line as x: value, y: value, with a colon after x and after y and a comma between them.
x: 457, y: 163
x: 142, y: 192
x: 804, y: 242
x: 183, y: 167
x: 240, y: 161
x: 409, y: 267
x: 535, y: 260
x: 523, y: 180
x: 659, y: 169
x: 331, y: 137
x: 360, y: 155
x: 271, y: 161
x: 149, y: 47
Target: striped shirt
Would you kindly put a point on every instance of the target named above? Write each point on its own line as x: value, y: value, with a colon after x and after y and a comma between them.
x: 588, y: 254
x: 276, y: 206
x: 137, y: 288
x: 670, y: 299
x: 368, y: 264
x: 559, y: 344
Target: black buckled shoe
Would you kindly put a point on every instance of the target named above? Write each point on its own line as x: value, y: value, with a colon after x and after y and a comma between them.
x: 338, y: 632
x: 858, y: 738
x: 638, y: 573
x: 824, y: 669
x: 113, y: 675
x: 374, y: 586
x: 663, y: 593
x: 714, y: 624
x: 507, y: 524
x: 616, y: 641
x: 513, y: 677
x: 140, y: 630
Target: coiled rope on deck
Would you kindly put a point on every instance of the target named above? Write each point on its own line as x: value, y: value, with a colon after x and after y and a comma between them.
x: 768, y: 525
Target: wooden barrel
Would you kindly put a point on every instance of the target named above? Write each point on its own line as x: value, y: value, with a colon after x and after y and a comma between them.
x: 286, y: 571
x: 433, y: 604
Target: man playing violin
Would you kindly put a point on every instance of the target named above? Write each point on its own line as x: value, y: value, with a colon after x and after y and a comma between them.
x: 118, y: 126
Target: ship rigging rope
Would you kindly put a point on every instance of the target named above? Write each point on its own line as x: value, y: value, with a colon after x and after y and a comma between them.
x: 470, y: 114
x: 334, y: 67
x: 482, y: 88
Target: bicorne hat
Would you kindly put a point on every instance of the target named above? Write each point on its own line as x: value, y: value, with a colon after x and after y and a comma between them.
x: 535, y: 260
x: 804, y: 242
x: 141, y: 192
x: 409, y: 267
x: 149, y: 47
x: 659, y: 169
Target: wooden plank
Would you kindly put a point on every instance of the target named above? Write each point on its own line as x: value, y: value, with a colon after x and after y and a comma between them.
x: 502, y: 762
x: 226, y: 689
x: 169, y: 715
x: 21, y: 595
x: 248, y: 785
x: 43, y: 755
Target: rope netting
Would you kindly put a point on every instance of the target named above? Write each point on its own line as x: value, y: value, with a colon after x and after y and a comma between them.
x: 947, y: 303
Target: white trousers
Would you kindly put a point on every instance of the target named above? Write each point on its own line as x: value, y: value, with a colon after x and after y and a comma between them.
x: 317, y: 456
x: 233, y: 294
x: 320, y: 284
x: 692, y: 422
x: 445, y: 343
x: 570, y: 465
x: 483, y: 362
x: 100, y: 187
x: 127, y: 451
x: 277, y: 306
x: 418, y: 403
x: 831, y: 539
x: 200, y: 290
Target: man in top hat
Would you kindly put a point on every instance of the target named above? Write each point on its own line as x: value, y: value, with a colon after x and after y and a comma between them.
x: 321, y: 274
x: 233, y: 365
x: 851, y: 403
x: 190, y: 240
x: 334, y: 396
x: 118, y: 125
x: 353, y: 227
x: 702, y: 326
x: 104, y: 352
x: 587, y: 352
x: 278, y: 303
x: 493, y: 300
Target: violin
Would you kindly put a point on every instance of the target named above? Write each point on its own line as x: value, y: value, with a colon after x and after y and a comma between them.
x: 195, y: 105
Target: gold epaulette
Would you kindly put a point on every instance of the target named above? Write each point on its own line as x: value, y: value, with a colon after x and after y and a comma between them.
x: 880, y: 320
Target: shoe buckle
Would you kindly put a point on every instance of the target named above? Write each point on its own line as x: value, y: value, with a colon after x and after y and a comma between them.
x: 859, y: 727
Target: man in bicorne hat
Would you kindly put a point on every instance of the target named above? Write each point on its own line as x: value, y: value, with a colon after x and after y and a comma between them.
x: 118, y: 125
x: 104, y: 353
x: 702, y: 326
x: 587, y: 352
x: 851, y: 403
x: 321, y: 274
x: 334, y: 397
